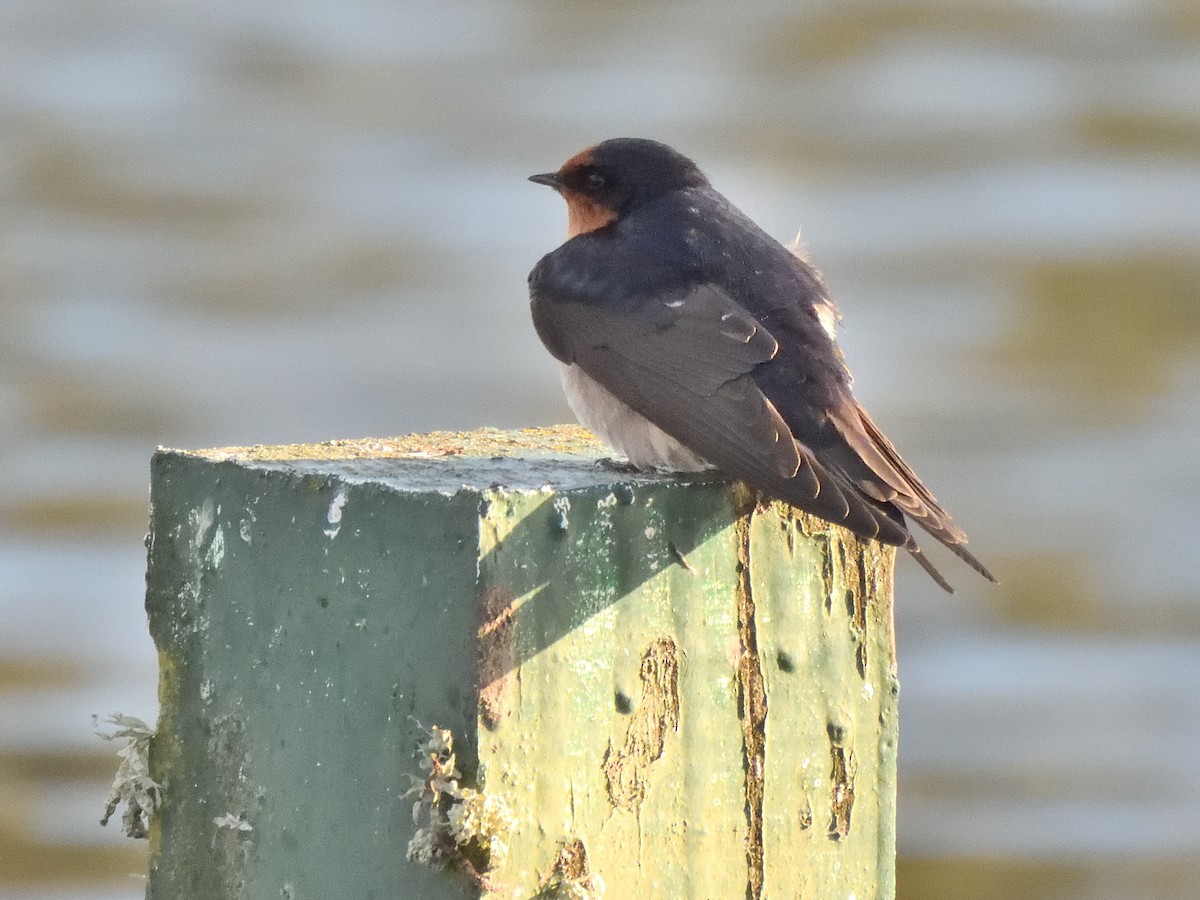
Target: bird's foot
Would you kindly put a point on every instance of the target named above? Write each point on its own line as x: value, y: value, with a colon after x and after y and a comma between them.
x: 621, y: 466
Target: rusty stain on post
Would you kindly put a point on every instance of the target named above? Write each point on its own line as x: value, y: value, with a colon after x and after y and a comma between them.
x: 496, y: 655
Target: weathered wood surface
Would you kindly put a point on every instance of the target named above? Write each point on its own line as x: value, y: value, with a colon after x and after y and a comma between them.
x: 654, y: 687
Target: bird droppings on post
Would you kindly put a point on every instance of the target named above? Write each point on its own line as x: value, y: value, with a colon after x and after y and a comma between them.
x: 234, y: 822
x: 246, y: 526
x: 455, y: 826
x: 334, y: 514
x: 202, y: 519
x: 562, y: 505
x: 132, y: 784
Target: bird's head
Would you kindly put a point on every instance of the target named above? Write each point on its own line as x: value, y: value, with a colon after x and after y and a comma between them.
x: 604, y: 182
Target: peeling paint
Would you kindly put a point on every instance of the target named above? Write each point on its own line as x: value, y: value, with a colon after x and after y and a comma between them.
x: 842, y: 772
x: 627, y: 768
x: 571, y: 878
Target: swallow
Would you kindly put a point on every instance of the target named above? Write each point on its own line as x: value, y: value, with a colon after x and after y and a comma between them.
x: 690, y: 339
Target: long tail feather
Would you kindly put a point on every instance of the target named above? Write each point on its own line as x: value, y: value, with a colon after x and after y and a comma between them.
x: 925, y: 564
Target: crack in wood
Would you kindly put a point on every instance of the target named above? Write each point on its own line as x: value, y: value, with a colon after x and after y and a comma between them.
x: 854, y: 576
x: 842, y: 792
x: 752, y: 703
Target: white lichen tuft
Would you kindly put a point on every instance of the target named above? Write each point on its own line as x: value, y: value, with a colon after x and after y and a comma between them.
x: 455, y: 824
x: 484, y: 820
x: 132, y: 785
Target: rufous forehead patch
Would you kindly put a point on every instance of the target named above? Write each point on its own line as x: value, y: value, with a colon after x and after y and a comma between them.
x: 583, y: 158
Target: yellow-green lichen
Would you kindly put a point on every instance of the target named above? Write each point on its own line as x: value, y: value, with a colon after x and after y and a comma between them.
x: 557, y: 440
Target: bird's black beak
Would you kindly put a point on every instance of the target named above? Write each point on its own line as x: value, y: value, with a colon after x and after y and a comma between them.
x: 550, y: 179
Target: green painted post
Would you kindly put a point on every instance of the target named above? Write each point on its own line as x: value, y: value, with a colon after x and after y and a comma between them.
x: 483, y: 665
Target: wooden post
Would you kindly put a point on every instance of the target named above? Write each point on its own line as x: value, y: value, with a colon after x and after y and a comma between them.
x: 484, y: 665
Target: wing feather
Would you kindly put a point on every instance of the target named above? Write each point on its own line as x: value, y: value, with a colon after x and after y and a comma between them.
x: 875, y: 464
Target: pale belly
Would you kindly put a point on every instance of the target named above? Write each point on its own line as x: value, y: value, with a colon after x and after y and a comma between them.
x: 627, y: 432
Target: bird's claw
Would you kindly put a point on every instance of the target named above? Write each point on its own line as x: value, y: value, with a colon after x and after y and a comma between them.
x: 622, y: 466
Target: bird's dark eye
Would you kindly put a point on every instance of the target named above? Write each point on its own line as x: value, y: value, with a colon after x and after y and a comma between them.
x: 596, y: 181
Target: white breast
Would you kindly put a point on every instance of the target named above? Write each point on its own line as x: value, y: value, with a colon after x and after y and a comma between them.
x: 645, y: 444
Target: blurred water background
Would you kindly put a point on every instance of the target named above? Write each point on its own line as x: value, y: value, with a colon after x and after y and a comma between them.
x: 250, y: 222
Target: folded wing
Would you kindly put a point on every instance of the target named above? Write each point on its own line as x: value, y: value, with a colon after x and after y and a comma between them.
x: 685, y: 361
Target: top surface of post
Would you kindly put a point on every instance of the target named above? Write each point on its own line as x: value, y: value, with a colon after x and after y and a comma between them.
x: 445, y: 462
